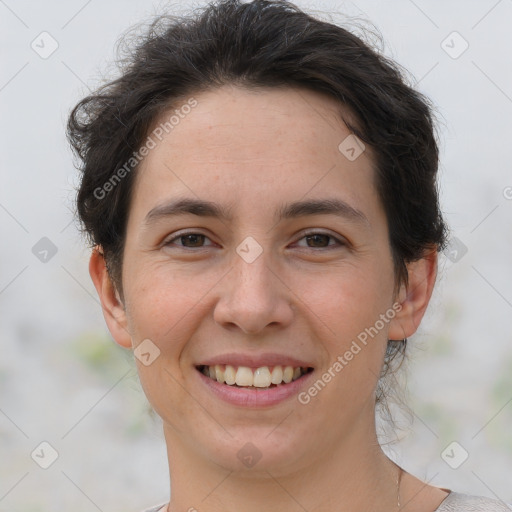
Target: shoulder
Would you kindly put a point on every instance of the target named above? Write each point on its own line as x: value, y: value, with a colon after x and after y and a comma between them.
x: 459, y: 502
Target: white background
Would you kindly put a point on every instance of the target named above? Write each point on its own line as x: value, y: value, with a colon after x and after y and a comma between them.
x: 64, y: 381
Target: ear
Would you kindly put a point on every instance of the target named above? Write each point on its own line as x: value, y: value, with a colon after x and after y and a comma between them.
x: 113, y: 309
x: 414, y: 297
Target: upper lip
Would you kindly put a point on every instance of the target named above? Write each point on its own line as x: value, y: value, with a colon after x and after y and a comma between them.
x: 255, y: 360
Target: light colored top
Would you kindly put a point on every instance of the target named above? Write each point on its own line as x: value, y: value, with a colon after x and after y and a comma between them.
x: 454, y: 502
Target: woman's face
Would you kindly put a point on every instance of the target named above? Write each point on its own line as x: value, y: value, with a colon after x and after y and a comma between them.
x: 270, y: 284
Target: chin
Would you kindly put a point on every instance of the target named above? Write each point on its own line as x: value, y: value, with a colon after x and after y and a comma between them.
x: 258, y: 451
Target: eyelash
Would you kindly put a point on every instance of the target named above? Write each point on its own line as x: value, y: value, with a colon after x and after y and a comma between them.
x: 339, y: 242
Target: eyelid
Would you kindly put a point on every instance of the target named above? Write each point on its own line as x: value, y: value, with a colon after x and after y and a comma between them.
x: 341, y: 241
x: 179, y: 234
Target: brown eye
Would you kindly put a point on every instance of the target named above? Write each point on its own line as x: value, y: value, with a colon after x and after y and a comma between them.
x: 193, y: 239
x: 188, y: 240
x: 320, y: 240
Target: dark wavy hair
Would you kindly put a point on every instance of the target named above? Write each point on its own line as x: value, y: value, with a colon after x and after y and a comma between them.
x: 260, y: 44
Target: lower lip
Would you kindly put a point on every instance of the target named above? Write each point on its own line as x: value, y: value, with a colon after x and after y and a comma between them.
x: 255, y: 397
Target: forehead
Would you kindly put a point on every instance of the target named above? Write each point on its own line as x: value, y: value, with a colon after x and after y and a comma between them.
x: 231, y: 115
x: 248, y: 146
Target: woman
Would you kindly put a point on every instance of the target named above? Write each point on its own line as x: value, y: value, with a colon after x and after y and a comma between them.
x: 259, y: 188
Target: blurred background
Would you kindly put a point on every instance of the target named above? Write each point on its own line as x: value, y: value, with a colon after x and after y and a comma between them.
x: 75, y: 428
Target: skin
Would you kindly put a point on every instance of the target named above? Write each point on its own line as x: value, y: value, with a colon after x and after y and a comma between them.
x: 255, y: 150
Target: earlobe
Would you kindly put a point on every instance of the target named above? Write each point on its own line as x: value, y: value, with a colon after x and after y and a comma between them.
x: 414, y: 297
x: 113, y: 309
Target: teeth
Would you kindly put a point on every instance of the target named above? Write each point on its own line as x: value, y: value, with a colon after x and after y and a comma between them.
x: 288, y: 374
x: 229, y: 375
x: 277, y: 375
x: 262, y: 378
x: 244, y: 376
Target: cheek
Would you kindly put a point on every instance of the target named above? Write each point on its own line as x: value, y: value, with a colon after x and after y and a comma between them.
x: 164, y: 310
x: 350, y: 305
x: 158, y: 307
x: 350, y: 300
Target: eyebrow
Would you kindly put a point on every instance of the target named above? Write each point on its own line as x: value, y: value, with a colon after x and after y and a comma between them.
x: 202, y: 208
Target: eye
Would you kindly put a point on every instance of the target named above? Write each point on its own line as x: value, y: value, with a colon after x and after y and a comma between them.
x: 321, y: 240
x: 314, y: 239
x: 190, y: 240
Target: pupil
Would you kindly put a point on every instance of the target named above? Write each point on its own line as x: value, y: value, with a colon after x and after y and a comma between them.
x: 316, y: 237
x: 191, y: 237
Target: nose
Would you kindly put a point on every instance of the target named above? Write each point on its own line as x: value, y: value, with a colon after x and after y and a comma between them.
x: 253, y: 297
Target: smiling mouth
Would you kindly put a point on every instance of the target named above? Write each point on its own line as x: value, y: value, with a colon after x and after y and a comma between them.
x: 265, y: 377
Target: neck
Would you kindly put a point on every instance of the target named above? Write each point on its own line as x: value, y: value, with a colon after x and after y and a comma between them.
x: 353, y: 475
